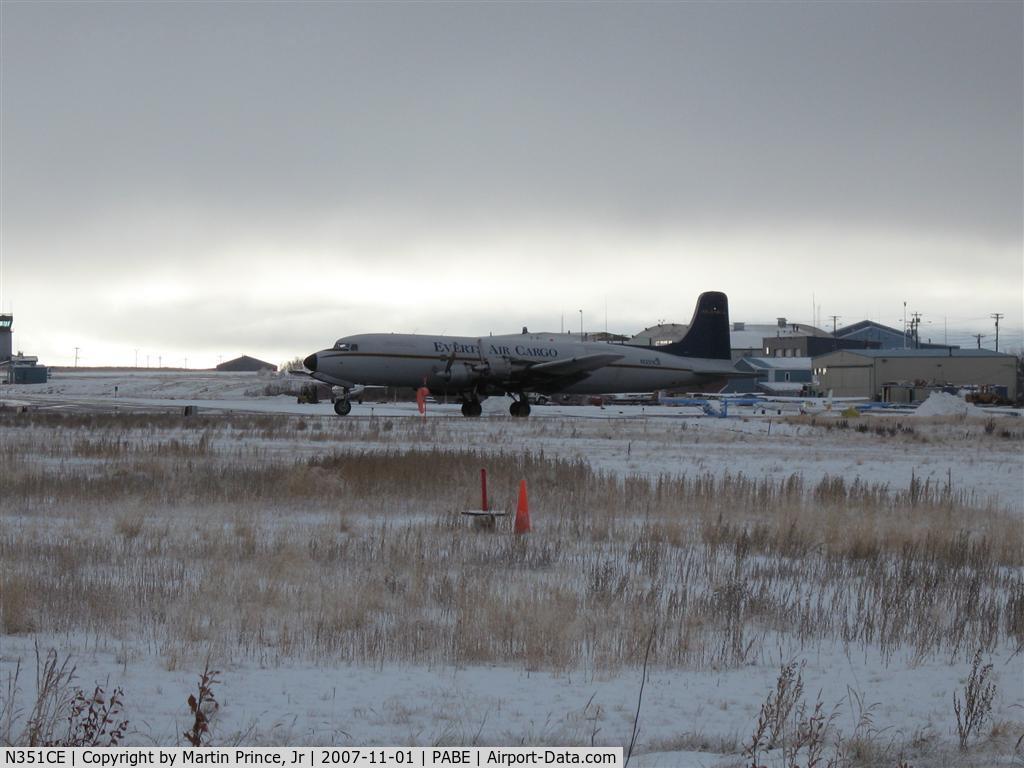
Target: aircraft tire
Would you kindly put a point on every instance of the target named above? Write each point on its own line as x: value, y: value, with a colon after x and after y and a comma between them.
x: 342, y: 407
x: 472, y: 408
x: 519, y: 408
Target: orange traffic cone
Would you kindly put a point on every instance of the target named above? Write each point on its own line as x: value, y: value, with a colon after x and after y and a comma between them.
x: 522, y: 524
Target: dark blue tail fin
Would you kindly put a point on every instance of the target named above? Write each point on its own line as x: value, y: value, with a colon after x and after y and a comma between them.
x: 708, y: 335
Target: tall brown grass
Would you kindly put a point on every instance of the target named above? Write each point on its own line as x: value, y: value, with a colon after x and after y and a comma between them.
x: 231, y: 535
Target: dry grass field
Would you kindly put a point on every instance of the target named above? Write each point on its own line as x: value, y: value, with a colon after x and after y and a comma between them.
x: 216, y: 537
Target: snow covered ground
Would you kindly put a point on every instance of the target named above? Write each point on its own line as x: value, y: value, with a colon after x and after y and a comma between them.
x: 688, y: 716
x: 682, y: 711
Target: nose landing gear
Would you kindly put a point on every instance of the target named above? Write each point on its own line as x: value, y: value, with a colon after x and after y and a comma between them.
x: 342, y: 406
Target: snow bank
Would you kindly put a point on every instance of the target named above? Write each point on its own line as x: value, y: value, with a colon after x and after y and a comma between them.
x: 496, y: 405
x: 945, y: 404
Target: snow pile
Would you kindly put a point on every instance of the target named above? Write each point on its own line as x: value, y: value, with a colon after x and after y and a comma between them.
x: 497, y: 406
x: 945, y: 404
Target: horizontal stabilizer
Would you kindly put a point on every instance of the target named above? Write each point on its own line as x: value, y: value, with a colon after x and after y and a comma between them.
x: 334, y: 381
x: 721, y: 368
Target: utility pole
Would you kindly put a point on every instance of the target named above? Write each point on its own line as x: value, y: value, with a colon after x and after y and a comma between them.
x: 979, y: 337
x: 581, y: 324
x: 915, y: 324
x: 76, y: 357
x: 834, y: 319
x: 136, y: 358
x: 904, y: 325
x: 996, y: 316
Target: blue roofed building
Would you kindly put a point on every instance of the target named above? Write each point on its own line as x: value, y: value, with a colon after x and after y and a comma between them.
x: 883, y: 337
x: 775, y: 376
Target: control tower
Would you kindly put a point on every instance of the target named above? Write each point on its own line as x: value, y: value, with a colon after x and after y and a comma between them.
x: 6, y: 321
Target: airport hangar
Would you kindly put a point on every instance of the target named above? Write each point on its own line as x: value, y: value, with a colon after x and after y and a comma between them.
x: 865, y: 372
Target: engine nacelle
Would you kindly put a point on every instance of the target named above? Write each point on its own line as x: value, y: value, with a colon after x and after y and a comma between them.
x: 456, y: 379
x: 496, y: 367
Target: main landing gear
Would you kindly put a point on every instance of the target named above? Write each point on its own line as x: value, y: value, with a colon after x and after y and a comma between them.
x: 342, y: 406
x: 520, y: 408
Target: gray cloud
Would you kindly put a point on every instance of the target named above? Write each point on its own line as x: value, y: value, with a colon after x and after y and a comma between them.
x: 904, y: 114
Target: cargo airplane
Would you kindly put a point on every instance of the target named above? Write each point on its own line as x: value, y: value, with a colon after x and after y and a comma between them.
x: 519, y: 364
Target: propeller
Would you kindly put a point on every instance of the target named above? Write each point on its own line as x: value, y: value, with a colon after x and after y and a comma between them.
x: 449, y: 364
x: 484, y: 365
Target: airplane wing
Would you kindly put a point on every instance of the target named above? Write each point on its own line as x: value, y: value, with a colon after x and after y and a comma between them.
x: 556, y: 374
x: 574, y: 365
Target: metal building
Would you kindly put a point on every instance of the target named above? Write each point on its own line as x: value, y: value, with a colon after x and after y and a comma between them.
x: 23, y: 369
x: 19, y: 368
x: 775, y: 376
x: 246, y: 363
x: 884, y: 337
x: 865, y: 372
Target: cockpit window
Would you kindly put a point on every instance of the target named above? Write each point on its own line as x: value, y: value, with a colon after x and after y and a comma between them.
x: 343, y: 346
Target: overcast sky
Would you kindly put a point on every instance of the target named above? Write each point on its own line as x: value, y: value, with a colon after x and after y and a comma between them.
x: 203, y: 180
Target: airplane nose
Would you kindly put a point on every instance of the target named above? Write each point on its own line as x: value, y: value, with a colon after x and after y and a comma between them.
x: 310, y: 362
